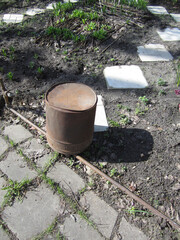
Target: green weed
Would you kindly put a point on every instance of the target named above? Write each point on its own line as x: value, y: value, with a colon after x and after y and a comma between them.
x: 133, y: 211
x: 144, y: 100
x: 140, y: 110
x: 124, y: 120
x: 161, y: 92
x: 91, y: 26
x: 40, y: 70
x: 15, y: 190
x: 31, y: 65
x: 114, y: 123
x: 4, y: 52
x: 161, y: 82
x: 113, y: 172
x: 10, y: 76
x: 100, y: 34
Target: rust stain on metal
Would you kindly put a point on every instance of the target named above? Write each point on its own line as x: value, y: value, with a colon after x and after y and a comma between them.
x: 70, y: 114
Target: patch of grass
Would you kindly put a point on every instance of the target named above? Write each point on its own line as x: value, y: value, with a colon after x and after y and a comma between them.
x: 62, y: 8
x: 15, y: 190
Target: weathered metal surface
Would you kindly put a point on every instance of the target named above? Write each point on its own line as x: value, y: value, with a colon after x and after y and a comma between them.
x: 70, y: 113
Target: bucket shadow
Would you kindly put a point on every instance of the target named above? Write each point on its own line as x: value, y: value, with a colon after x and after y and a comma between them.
x: 120, y: 145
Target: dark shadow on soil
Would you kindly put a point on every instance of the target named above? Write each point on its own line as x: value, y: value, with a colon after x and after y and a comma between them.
x: 119, y: 145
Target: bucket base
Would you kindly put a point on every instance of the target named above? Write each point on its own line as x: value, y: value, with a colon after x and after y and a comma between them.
x: 68, y: 149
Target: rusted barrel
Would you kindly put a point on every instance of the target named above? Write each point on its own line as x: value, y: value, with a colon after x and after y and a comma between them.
x: 70, y: 114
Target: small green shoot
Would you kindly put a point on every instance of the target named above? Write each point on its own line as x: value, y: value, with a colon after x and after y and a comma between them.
x: 133, y: 211
x: 161, y: 82
x: 4, y: 52
x: 113, y: 172
x: 161, y: 92
x: 40, y: 70
x: 144, y: 100
x: 114, y: 123
x: 36, y: 56
x: 31, y: 65
x: 10, y: 76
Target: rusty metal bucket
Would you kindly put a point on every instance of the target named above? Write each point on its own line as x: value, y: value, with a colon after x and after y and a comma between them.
x: 70, y: 114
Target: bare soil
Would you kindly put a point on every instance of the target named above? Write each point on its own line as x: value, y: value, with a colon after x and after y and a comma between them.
x: 144, y: 148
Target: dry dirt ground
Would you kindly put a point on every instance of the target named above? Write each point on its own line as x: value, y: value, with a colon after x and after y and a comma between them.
x: 141, y: 149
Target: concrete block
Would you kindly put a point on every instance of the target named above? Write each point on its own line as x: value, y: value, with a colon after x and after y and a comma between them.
x: 129, y: 232
x: 67, y: 178
x: 3, y: 235
x: 154, y: 52
x: 100, y: 123
x: 34, y: 11
x: 13, y: 18
x: 176, y: 17
x: 2, y: 192
x: 17, y: 133
x: 157, y: 10
x: 170, y: 34
x: 100, y: 213
x: 3, y: 146
x: 124, y: 76
x: 15, y: 168
x: 37, y: 211
x: 50, y: 6
x: 77, y: 228
x: 33, y: 148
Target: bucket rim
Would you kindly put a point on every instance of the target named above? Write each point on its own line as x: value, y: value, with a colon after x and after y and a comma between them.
x: 65, y: 109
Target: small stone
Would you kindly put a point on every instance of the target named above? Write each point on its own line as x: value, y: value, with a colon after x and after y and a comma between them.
x: 89, y: 171
x: 176, y: 187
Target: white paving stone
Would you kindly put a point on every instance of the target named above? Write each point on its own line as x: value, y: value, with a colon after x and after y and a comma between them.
x: 157, y: 10
x: 129, y: 232
x: 124, y: 76
x: 170, y: 34
x: 78, y: 229
x: 72, y: 1
x: 154, y: 52
x: 17, y: 133
x: 35, y: 214
x: 103, y: 215
x: 176, y: 17
x: 50, y: 6
x: 13, y: 18
x: 3, y: 146
x: 15, y: 168
x: 67, y: 178
x: 34, y: 11
x: 101, y: 123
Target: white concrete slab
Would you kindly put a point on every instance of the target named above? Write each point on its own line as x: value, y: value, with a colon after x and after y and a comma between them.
x: 157, y: 10
x: 176, y: 17
x: 154, y: 52
x: 170, y: 34
x: 124, y: 76
x: 72, y: 1
x: 50, y: 6
x: 34, y: 11
x: 100, y: 124
x: 13, y: 18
